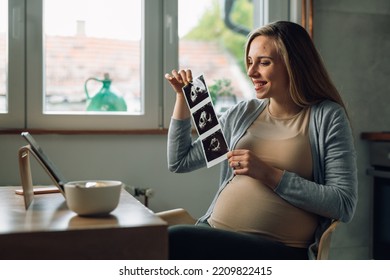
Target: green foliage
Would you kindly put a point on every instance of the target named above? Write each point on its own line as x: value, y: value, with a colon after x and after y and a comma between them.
x: 221, y: 87
x: 212, y: 28
x: 210, y: 25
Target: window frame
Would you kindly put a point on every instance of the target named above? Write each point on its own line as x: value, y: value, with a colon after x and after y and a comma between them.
x: 15, y: 116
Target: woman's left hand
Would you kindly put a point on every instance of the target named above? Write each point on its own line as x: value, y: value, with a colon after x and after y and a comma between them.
x: 245, y: 162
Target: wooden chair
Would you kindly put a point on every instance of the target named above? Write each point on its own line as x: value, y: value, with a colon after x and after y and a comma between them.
x: 324, y: 244
x: 177, y: 216
x: 181, y: 216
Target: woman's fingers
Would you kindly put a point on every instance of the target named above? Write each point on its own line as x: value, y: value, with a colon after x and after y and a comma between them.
x: 236, y: 154
x: 238, y: 159
x: 176, y: 80
x: 178, y: 76
x: 189, y: 75
x: 168, y: 77
x: 179, y: 79
x: 186, y: 76
x: 183, y: 76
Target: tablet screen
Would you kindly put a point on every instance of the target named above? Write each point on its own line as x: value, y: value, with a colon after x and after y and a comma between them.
x: 45, y: 160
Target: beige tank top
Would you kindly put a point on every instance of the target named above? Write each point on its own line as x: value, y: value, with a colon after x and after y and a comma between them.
x: 247, y: 205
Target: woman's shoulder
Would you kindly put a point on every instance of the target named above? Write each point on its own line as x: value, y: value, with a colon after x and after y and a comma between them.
x: 328, y: 108
x: 327, y: 105
x: 328, y: 114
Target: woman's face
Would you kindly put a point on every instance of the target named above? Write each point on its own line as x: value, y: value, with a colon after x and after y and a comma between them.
x: 266, y: 69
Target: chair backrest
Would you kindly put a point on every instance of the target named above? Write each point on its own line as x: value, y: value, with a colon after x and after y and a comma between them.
x: 324, y: 244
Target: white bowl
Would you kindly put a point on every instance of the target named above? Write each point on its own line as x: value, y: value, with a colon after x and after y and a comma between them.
x: 93, y: 197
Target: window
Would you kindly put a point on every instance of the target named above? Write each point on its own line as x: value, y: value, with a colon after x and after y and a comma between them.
x: 89, y: 50
x: 75, y: 54
x: 211, y: 42
x: 56, y: 56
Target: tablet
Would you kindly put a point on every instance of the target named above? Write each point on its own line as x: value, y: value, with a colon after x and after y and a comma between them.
x: 50, y: 166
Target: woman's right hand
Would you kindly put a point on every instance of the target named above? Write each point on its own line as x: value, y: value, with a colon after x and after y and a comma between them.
x: 179, y: 79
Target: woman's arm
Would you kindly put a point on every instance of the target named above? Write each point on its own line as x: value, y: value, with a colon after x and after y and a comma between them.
x: 183, y: 154
x: 334, y: 195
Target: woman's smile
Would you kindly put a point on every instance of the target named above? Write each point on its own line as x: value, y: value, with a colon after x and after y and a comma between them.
x: 259, y: 85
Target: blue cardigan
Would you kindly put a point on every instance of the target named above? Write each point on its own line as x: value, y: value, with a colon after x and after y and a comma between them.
x: 332, y: 195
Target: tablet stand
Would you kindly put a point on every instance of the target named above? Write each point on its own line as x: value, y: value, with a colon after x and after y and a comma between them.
x: 25, y: 173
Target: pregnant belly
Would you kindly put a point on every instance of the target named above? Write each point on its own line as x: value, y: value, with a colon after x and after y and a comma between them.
x: 246, y: 205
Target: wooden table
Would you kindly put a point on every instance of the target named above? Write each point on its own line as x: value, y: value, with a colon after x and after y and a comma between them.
x: 49, y: 230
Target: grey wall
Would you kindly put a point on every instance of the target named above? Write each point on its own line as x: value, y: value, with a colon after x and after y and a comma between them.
x: 353, y: 37
x: 354, y: 40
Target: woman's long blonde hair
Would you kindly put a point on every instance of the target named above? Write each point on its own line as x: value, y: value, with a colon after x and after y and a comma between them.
x: 309, y: 80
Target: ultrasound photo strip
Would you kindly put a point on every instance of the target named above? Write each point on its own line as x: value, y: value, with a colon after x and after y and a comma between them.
x: 206, y: 121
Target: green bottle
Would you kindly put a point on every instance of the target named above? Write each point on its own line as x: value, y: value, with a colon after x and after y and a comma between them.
x: 105, y: 99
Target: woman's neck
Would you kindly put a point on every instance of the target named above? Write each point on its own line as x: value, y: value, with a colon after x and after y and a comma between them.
x: 284, y: 109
